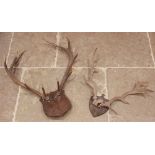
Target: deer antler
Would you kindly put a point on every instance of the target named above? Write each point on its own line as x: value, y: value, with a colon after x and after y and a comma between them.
x: 99, y: 105
x: 140, y: 88
x: 11, y: 73
x: 55, y: 103
x: 71, y: 61
x: 91, y: 71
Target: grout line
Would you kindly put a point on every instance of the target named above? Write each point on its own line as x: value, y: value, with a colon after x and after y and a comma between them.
x: 84, y: 67
x: 149, y: 39
x: 18, y: 96
x: 151, y: 67
x: 106, y: 88
x: 58, y: 43
x: 12, y: 35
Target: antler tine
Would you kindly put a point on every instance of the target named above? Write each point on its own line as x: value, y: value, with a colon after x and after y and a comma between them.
x: 11, y: 73
x: 91, y: 71
x: 15, y: 62
x: 55, y: 46
x: 71, y: 60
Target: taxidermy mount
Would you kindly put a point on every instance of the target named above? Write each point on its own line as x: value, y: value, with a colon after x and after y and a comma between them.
x: 99, y: 105
x: 56, y: 103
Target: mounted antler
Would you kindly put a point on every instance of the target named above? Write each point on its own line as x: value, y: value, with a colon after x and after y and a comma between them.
x: 56, y: 103
x: 99, y: 105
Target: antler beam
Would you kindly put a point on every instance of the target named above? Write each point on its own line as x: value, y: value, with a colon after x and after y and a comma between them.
x: 11, y: 73
x: 71, y: 61
x: 91, y: 71
x: 140, y: 88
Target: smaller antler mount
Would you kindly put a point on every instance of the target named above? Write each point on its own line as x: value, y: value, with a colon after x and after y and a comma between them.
x: 98, y: 104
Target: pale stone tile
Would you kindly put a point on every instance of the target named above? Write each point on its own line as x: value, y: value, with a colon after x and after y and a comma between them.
x: 114, y: 49
x: 5, y: 38
x: 38, y: 54
x: 8, y: 95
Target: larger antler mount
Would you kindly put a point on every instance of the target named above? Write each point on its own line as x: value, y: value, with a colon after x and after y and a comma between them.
x: 56, y: 103
x: 99, y: 105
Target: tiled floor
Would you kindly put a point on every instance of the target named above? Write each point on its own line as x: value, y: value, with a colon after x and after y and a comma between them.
x: 124, y: 59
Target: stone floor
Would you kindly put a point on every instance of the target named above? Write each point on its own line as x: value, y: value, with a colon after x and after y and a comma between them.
x: 124, y: 59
